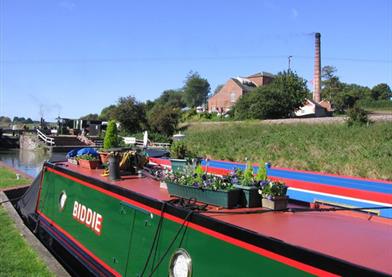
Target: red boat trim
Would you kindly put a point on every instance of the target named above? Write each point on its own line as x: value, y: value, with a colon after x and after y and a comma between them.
x: 356, y: 193
x: 167, y: 163
x: 245, y: 245
x: 69, y: 236
x: 71, y: 248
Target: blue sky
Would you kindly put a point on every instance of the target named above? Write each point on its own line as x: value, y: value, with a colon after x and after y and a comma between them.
x: 74, y: 57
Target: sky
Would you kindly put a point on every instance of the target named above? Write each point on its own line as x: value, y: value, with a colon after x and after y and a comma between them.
x: 70, y: 58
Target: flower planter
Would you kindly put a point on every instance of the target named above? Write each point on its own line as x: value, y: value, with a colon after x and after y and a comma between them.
x: 278, y: 203
x: 178, y: 165
x: 89, y: 164
x: 226, y: 199
x: 249, y: 196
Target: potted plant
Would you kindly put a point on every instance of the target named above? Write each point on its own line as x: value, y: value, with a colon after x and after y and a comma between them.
x: 203, y: 187
x: 274, y: 195
x: 110, y: 141
x: 249, y: 184
x: 88, y: 161
x: 178, y: 152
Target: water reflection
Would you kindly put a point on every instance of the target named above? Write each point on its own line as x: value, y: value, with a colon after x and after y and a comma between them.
x: 29, y: 162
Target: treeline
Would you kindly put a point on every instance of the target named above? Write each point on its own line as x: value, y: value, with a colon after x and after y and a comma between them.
x: 16, y: 120
x: 288, y: 92
x: 344, y: 96
x: 161, y: 116
x: 284, y: 95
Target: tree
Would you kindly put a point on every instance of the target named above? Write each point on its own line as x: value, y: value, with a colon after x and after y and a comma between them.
x: 331, y: 84
x: 381, y: 92
x: 5, y: 120
x: 348, y: 96
x: 108, y: 113
x: 18, y: 119
x: 172, y: 98
x: 278, y: 100
x: 90, y: 116
x: 131, y: 114
x: 111, y: 136
x: 196, y: 90
x: 29, y: 121
x: 163, y: 119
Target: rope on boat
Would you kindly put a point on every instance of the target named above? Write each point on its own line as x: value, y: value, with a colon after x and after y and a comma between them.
x: 172, y: 242
x: 156, y: 239
x: 297, y: 210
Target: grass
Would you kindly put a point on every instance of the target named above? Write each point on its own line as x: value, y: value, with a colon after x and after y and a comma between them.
x: 334, y: 148
x: 16, y: 256
x: 8, y: 178
x: 380, y: 106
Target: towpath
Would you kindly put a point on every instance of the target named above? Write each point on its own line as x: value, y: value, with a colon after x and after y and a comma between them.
x: 313, y: 120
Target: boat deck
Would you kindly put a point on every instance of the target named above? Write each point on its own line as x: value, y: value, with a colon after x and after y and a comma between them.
x: 351, y: 236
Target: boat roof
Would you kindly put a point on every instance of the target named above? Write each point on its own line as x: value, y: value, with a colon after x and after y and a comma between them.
x: 355, y: 237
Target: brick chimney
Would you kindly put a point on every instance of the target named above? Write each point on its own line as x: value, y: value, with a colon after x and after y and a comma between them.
x: 317, y: 70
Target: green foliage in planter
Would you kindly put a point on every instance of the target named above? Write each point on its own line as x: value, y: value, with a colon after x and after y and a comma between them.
x: 111, y: 136
x: 200, y: 180
x: 262, y: 173
x: 87, y: 157
x: 248, y: 178
x: 273, y: 189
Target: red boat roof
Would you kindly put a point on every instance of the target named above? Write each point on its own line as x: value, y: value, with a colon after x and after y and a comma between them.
x: 351, y: 236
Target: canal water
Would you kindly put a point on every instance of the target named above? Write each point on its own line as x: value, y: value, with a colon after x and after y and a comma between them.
x: 29, y: 162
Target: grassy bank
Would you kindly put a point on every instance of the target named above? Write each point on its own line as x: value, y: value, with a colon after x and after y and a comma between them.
x: 334, y: 148
x: 16, y: 256
x: 9, y: 178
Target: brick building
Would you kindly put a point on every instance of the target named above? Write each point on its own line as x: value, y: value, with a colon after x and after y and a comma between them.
x: 234, y: 88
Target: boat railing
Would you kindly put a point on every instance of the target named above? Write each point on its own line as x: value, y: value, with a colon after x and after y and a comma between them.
x: 160, y: 144
x: 140, y: 143
x: 47, y: 140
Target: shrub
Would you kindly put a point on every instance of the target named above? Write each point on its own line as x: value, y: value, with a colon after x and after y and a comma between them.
x: 111, y: 137
x: 357, y: 116
x: 179, y: 150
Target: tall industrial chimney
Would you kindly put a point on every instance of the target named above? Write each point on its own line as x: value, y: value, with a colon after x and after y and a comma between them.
x: 317, y: 70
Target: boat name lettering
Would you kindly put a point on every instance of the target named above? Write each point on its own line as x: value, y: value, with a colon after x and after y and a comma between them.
x: 86, y: 216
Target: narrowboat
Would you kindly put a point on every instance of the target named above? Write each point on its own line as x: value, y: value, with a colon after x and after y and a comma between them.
x: 134, y: 227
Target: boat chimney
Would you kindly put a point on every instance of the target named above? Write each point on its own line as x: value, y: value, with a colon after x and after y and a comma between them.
x: 317, y: 70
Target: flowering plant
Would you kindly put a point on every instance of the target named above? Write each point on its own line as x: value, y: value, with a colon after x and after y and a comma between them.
x: 272, y: 189
x: 197, y: 178
x: 247, y: 178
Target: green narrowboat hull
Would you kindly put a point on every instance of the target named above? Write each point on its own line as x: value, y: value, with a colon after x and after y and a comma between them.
x: 122, y: 233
